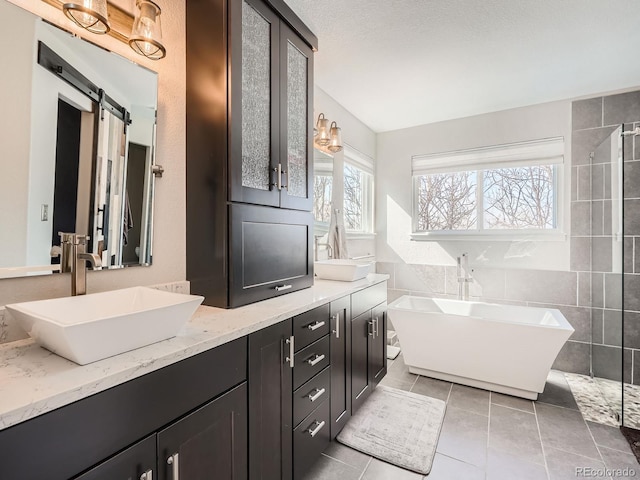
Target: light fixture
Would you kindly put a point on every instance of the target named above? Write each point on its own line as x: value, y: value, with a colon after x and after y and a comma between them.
x: 323, y: 135
x: 335, y: 140
x: 89, y: 14
x: 146, y: 35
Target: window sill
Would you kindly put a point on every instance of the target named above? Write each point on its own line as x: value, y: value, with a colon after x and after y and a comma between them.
x: 490, y: 236
x: 360, y: 236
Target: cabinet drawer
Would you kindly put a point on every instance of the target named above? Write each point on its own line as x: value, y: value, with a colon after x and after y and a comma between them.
x: 310, y: 395
x: 368, y: 298
x: 307, y: 447
x: 310, y: 360
x: 311, y: 326
x: 270, y: 253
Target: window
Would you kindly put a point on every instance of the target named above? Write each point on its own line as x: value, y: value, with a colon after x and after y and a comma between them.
x: 503, y: 188
x: 358, y: 192
x: 322, y: 186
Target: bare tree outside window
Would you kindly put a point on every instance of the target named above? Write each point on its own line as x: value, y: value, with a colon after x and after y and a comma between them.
x: 447, y: 201
x: 519, y: 198
x: 353, y: 197
x: 322, y: 187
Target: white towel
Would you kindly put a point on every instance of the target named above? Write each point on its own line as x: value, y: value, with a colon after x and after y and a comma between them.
x: 337, y: 236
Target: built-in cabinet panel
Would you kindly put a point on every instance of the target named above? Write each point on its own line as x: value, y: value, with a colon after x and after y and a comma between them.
x: 249, y: 143
x: 270, y: 403
x: 136, y: 462
x: 271, y: 252
x: 361, y: 330
x: 208, y: 443
x: 340, y: 318
x: 378, y: 350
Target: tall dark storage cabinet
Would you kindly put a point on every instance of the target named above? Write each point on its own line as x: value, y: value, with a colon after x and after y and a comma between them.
x: 249, y: 150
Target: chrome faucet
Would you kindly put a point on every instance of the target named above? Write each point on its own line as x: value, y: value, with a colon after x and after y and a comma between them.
x: 317, y: 245
x: 73, y: 260
x: 464, y: 277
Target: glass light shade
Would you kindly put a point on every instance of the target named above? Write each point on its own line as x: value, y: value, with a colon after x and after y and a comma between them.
x: 322, y: 126
x: 89, y: 14
x: 146, y: 35
x: 335, y: 140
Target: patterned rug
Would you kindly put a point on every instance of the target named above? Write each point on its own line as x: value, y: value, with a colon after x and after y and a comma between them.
x: 397, y: 427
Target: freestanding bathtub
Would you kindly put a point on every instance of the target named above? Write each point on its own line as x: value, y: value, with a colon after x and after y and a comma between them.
x: 506, y: 349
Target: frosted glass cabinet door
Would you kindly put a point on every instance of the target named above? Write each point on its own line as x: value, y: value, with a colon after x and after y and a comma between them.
x: 255, y: 113
x: 296, y: 81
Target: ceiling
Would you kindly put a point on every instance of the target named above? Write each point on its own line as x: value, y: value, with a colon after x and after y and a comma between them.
x: 400, y: 63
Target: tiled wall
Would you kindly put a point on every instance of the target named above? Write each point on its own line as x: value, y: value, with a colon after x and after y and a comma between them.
x: 590, y: 300
x: 593, y: 231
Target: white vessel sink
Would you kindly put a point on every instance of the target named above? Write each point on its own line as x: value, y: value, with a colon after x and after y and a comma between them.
x: 342, y: 270
x: 88, y: 328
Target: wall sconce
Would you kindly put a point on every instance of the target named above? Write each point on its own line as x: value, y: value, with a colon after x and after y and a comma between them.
x: 327, y: 137
x: 90, y: 15
x: 144, y: 34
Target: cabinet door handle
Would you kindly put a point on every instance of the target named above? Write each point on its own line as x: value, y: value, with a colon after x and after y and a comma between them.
x: 376, y: 326
x: 317, y: 359
x: 318, y: 426
x: 173, y: 460
x: 280, y: 288
x: 316, y: 395
x: 148, y: 475
x: 290, y: 359
x: 315, y: 326
x: 371, y: 331
x: 337, y: 319
x: 278, y: 172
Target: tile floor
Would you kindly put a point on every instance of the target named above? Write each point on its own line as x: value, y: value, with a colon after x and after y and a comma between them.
x: 490, y: 436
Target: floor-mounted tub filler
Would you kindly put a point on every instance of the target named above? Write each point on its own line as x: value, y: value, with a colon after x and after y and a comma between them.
x: 503, y: 348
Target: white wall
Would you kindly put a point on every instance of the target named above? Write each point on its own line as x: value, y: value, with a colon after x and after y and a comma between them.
x: 16, y: 43
x: 358, y: 136
x: 394, y: 187
x: 169, y: 221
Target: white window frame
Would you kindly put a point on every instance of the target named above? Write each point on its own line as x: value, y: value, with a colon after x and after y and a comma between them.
x: 366, y: 165
x: 549, y: 151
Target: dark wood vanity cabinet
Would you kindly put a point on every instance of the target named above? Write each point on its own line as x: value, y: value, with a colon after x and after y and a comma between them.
x: 270, y: 403
x: 249, y: 143
x: 116, y: 431
x: 368, y: 342
x: 340, y: 364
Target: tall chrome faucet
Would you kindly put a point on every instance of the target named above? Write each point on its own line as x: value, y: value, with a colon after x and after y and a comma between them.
x: 73, y: 260
x: 317, y: 245
x: 464, y: 277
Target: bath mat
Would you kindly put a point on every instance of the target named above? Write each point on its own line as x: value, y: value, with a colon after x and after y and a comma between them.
x: 397, y: 427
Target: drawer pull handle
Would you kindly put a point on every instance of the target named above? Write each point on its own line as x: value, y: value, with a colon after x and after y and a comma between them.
x: 316, y: 360
x: 316, y: 395
x: 290, y: 358
x: 173, y: 460
x: 148, y: 475
x: 280, y: 288
x: 318, y: 426
x: 315, y: 326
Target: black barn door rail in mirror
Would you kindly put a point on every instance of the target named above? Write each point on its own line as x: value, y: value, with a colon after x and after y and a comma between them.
x: 78, y: 148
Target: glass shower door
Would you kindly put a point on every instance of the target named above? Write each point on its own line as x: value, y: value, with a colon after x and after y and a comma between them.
x: 607, y: 243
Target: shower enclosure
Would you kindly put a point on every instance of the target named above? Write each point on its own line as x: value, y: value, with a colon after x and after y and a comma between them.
x: 614, y: 310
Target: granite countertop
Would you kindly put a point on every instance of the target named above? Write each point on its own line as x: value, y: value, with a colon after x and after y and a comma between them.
x: 34, y: 381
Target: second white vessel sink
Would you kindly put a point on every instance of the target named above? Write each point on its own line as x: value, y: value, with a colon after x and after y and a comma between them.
x: 88, y: 328
x: 342, y: 269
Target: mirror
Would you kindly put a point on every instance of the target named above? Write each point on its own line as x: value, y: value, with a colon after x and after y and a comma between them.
x: 322, y: 190
x: 78, y: 137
